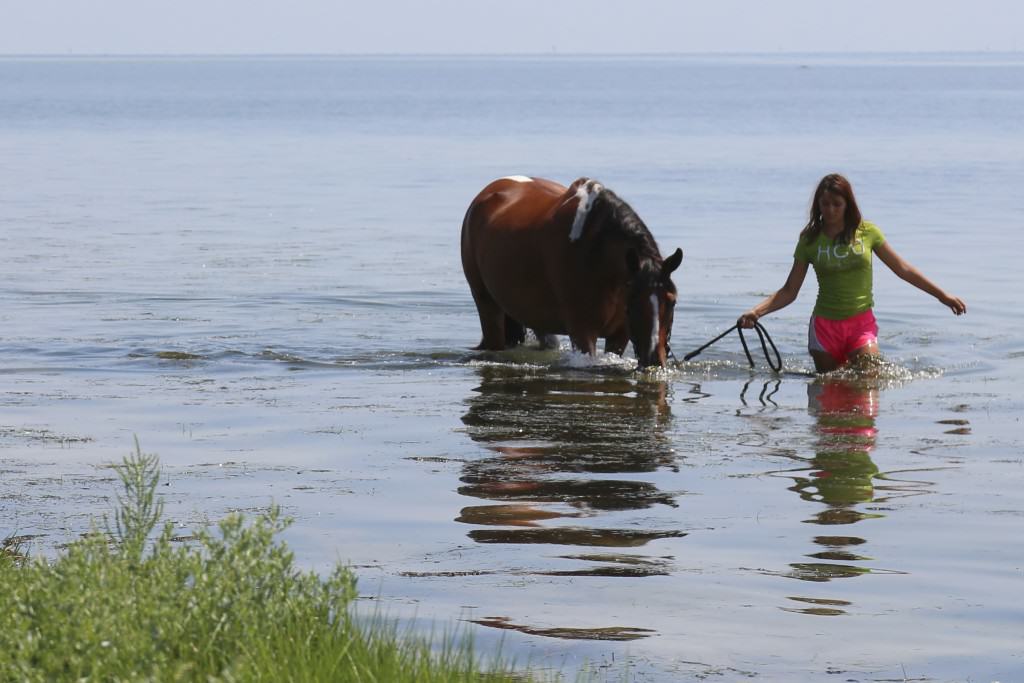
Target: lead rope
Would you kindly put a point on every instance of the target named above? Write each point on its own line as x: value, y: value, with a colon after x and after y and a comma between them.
x: 762, y: 334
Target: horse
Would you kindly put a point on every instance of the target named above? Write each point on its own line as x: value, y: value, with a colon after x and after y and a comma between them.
x: 571, y: 260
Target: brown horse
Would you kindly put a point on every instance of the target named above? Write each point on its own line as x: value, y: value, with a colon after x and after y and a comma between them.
x: 575, y: 261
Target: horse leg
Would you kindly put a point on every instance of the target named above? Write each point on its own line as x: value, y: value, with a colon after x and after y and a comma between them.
x: 585, y: 344
x: 616, y: 343
x: 492, y: 318
x: 515, y: 332
x: 547, y: 341
x: 492, y: 321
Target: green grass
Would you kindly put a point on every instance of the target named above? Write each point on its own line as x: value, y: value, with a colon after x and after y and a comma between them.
x: 130, y: 605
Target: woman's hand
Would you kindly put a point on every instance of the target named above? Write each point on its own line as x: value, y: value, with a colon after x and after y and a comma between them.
x: 747, y: 320
x: 955, y: 303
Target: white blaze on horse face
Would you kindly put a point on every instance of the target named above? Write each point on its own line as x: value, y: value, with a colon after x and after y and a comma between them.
x: 518, y: 179
x: 586, y: 193
x: 655, y: 322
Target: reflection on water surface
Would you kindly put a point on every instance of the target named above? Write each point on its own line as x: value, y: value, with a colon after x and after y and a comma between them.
x: 565, y: 459
x: 841, y: 473
x: 842, y: 477
x: 607, y: 633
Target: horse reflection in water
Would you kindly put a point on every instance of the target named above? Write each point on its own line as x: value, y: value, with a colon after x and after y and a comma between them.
x: 554, y: 440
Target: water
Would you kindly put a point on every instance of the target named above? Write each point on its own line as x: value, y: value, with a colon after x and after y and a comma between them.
x: 252, y: 265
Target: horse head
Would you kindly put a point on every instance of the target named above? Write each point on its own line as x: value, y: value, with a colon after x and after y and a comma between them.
x: 650, y: 307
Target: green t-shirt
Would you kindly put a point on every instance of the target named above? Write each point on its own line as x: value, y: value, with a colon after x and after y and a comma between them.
x: 843, y: 271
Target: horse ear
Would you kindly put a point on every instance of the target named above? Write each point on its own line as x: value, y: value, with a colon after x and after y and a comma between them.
x: 632, y: 262
x: 669, y: 265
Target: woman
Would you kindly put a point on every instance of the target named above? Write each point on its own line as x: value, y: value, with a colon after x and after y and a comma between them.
x: 839, y: 244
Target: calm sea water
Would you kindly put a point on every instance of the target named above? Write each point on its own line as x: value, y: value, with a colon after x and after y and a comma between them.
x: 252, y: 265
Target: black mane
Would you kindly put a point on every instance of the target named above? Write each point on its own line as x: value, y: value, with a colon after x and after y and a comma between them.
x: 625, y: 224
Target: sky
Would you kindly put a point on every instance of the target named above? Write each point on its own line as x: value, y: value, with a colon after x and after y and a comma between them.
x: 85, y: 27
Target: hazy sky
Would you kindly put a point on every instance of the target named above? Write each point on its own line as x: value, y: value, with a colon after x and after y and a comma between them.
x: 512, y: 26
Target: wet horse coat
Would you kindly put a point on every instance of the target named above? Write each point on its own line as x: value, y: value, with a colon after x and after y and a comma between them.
x: 575, y: 261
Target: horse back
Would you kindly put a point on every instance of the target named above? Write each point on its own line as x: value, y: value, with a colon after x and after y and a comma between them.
x: 515, y: 204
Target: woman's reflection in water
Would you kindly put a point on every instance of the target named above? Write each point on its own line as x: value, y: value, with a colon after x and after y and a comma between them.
x: 553, y: 442
x: 842, y: 471
x: 842, y: 477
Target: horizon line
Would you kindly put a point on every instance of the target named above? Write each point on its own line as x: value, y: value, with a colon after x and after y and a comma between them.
x: 549, y: 53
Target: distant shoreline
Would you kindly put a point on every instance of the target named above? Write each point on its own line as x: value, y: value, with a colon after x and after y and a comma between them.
x: 1019, y: 54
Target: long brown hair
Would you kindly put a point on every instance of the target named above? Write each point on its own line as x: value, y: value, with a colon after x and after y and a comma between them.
x: 836, y: 183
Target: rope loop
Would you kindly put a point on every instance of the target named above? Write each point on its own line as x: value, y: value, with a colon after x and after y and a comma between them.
x: 762, y: 335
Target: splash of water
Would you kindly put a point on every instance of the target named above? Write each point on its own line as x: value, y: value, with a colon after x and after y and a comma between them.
x: 882, y: 372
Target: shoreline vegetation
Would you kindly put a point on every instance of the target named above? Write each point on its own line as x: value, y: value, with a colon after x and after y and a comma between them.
x: 127, y: 603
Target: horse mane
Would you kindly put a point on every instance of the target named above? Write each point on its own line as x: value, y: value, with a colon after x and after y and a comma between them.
x: 626, y: 225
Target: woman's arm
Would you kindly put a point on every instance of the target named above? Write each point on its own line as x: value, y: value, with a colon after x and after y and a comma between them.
x: 907, y: 272
x: 780, y: 299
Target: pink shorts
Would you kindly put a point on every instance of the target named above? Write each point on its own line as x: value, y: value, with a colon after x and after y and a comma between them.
x: 840, y: 338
